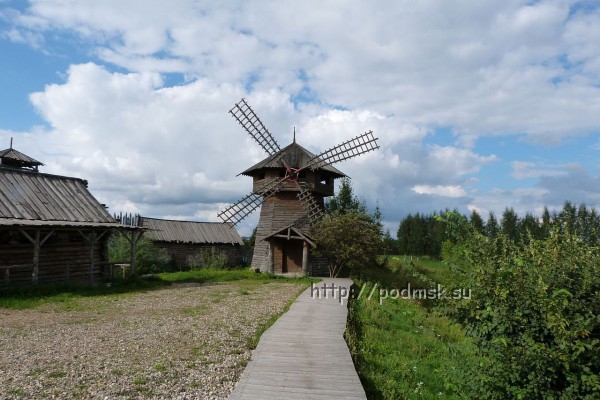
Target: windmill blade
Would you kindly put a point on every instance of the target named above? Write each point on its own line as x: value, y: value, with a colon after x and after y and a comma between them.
x: 244, y: 207
x: 254, y: 126
x: 310, y: 205
x: 351, y: 148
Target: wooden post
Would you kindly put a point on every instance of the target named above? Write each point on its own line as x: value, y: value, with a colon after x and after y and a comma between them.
x: 92, y: 245
x: 133, y: 242
x: 305, y: 257
x: 271, y: 257
x: 135, y: 237
x: 7, y: 275
x: 36, y: 257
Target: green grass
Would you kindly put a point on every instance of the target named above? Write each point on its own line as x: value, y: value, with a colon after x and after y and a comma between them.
x: 439, y: 271
x: 65, y: 297
x: 403, y: 350
x: 223, y: 275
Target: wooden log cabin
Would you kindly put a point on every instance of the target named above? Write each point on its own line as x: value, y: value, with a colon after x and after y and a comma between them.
x: 51, y: 227
x: 189, y: 242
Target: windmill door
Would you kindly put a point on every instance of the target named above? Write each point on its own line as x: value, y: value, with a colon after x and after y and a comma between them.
x: 292, y: 256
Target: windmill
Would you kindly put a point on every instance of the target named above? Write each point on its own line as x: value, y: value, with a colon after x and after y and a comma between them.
x: 289, y: 186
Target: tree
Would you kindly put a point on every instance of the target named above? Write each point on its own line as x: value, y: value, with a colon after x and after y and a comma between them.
x: 529, y: 225
x: 345, y: 201
x: 510, y: 224
x: 477, y: 221
x: 390, y: 245
x: 491, y: 227
x: 546, y: 223
x: 350, y: 240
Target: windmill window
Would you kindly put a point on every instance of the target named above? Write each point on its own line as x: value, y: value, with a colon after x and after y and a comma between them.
x: 261, y: 176
x: 325, y: 180
x: 281, y: 173
x: 302, y: 175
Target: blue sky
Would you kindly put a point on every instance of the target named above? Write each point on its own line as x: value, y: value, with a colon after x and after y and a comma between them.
x: 478, y: 105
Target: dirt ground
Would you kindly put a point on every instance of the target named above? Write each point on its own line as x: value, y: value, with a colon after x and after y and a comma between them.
x: 182, y: 342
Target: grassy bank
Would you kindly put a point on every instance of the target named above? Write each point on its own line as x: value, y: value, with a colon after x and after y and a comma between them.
x: 401, y: 349
x: 28, y: 296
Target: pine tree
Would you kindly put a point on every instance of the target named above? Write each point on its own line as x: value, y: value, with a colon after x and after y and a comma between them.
x: 491, y: 227
x: 510, y: 224
x: 477, y: 222
x: 345, y: 201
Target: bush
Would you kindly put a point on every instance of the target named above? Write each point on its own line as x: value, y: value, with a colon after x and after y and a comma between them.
x: 535, y: 316
x: 349, y: 240
x: 149, y: 259
x: 207, y: 259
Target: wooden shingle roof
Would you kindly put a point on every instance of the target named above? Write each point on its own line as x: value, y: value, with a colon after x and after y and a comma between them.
x: 164, y: 230
x: 36, y: 199
x: 295, y: 156
x: 14, y: 158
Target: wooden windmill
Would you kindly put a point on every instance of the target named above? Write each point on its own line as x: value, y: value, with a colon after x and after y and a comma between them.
x: 290, y: 186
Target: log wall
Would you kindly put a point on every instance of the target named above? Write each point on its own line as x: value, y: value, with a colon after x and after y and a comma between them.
x: 276, y: 213
x: 181, y: 252
x: 64, y: 257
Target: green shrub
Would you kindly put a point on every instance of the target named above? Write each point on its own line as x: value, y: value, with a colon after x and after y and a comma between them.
x: 535, y: 316
x: 207, y: 259
x: 149, y: 258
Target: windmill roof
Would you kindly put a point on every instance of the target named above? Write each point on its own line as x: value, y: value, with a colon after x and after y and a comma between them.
x: 28, y: 198
x: 164, y: 230
x: 15, y: 155
x: 294, y: 155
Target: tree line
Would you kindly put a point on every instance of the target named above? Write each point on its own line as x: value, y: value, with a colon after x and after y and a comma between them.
x: 424, y: 234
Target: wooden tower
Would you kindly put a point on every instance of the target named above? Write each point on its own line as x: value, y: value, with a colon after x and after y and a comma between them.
x: 290, y: 186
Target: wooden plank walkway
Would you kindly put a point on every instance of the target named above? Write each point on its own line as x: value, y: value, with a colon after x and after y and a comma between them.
x: 304, y: 354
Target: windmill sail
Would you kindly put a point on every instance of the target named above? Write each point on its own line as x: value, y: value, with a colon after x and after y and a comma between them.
x: 351, y: 148
x: 254, y: 126
x: 244, y: 207
x: 309, y: 203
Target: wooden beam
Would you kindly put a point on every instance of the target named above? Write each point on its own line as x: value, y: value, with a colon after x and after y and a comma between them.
x: 135, y: 237
x: 36, y: 257
x: 32, y: 240
x: 271, y: 257
x: 289, y: 237
x: 305, y: 258
x: 92, y: 245
x: 46, y: 238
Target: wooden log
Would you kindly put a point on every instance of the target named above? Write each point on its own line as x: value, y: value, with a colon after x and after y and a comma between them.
x: 304, y: 258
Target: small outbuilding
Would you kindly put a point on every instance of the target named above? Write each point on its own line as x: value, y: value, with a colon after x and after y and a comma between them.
x: 191, y: 243
x: 52, y: 229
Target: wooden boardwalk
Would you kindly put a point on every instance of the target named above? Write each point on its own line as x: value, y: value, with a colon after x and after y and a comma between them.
x: 304, y: 354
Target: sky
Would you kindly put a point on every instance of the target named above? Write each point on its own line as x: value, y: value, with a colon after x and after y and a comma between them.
x: 478, y: 105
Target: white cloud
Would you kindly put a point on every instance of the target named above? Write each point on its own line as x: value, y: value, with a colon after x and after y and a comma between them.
x: 439, y: 190
x: 485, y: 68
x: 526, y: 169
x: 482, y: 68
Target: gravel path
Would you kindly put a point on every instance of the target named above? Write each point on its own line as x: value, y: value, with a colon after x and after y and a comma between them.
x: 183, y: 342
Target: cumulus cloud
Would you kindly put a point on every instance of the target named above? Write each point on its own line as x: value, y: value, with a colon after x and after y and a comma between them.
x: 439, y: 190
x: 526, y: 169
x: 484, y: 69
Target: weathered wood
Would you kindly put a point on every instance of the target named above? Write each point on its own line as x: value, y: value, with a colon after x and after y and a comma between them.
x: 278, y: 212
x: 305, y: 258
x: 91, y: 244
x: 182, y: 253
x: 304, y: 354
x: 288, y: 237
x: 36, y: 257
x: 59, y: 248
